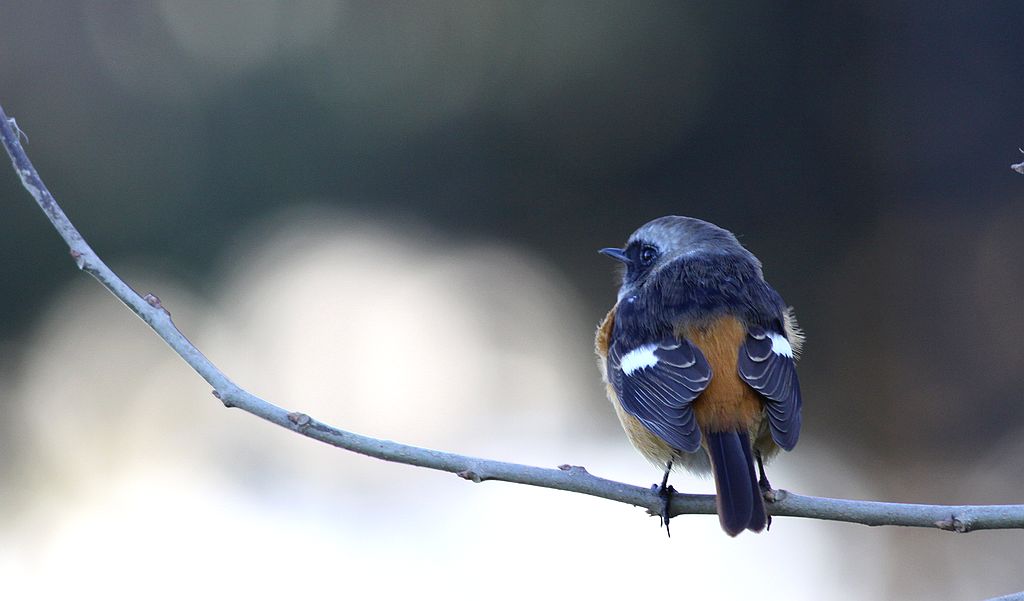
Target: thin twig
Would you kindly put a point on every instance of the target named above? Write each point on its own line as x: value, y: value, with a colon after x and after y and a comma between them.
x: 958, y: 518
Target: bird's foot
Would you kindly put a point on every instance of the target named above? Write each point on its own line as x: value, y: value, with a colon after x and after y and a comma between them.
x: 665, y: 492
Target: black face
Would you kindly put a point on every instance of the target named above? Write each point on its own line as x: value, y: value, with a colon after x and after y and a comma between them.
x: 642, y: 257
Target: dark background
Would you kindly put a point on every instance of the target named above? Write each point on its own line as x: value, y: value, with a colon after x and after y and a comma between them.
x: 861, y: 150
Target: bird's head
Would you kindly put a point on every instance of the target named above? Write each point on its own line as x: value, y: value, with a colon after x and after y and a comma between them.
x: 665, y: 240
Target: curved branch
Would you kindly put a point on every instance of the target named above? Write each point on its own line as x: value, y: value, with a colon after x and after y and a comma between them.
x: 959, y: 518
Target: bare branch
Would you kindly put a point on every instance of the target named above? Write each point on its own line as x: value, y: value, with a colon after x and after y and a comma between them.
x: 957, y: 518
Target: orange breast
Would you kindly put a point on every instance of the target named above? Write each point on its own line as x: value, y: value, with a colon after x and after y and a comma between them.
x: 728, y: 403
x: 604, y: 333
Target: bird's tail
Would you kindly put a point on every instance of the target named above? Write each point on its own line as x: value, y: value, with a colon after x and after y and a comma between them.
x: 740, y: 506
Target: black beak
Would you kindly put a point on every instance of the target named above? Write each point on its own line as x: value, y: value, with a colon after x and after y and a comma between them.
x: 615, y: 253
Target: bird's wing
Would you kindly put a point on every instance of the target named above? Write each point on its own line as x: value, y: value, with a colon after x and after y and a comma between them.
x: 657, y: 382
x: 767, y: 364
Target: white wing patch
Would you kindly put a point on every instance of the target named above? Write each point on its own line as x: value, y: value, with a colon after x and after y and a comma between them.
x: 641, y: 357
x: 780, y: 346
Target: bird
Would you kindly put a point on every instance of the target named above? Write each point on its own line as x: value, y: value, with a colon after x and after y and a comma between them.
x: 698, y: 356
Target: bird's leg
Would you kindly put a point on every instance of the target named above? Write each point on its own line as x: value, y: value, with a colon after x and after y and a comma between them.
x: 763, y: 480
x: 763, y: 484
x: 665, y: 492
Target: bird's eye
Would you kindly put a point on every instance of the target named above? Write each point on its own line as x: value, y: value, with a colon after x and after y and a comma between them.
x: 647, y: 255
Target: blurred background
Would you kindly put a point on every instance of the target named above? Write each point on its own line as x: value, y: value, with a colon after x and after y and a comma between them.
x: 387, y: 215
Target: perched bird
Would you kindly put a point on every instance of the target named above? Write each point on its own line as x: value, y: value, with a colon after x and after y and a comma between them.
x: 699, y: 360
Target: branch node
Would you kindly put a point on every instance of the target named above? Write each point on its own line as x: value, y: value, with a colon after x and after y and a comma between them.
x: 954, y: 524
x: 18, y: 130
x: 222, y: 398
x: 565, y: 467
x: 470, y: 475
x: 79, y: 258
x: 154, y: 301
x: 775, y: 495
x: 301, y: 420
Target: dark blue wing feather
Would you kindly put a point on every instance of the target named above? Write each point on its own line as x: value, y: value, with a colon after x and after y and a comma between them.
x: 773, y: 374
x: 659, y: 391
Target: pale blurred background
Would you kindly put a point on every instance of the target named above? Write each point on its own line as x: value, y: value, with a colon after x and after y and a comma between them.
x: 386, y: 215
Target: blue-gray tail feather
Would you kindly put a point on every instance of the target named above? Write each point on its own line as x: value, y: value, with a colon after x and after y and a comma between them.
x: 740, y: 506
